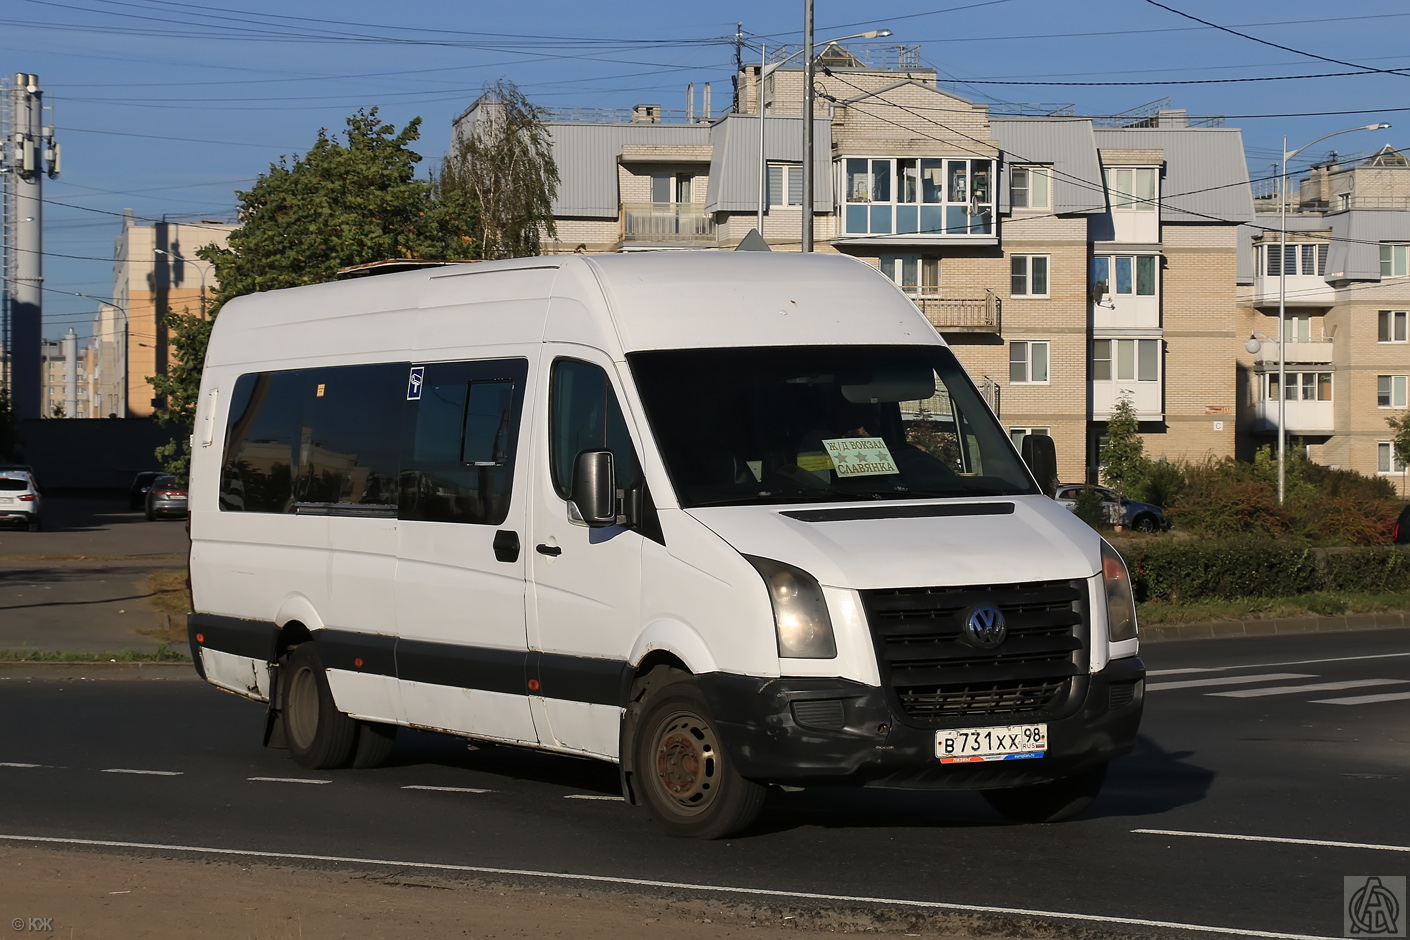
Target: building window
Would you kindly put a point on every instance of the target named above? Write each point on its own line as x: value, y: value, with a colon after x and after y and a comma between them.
x: 1302, y: 386
x: 1123, y: 275
x: 1028, y: 275
x: 1028, y: 362
x: 1031, y: 187
x: 1386, y: 459
x: 671, y: 187
x: 1133, y: 188
x: 1300, y: 259
x: 912, y: 196
x: 1018, y: 434
x: 912, y: 273
x: 1390, y: 391
x: 1297, y: 329
x: 1390, y: 326
x: 1393, y: 261
x: 785, y: 184
x: 1126, y: 360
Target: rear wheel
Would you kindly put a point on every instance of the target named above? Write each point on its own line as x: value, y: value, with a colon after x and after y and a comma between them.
x: 151, y: 516
x: 319, y: 736
x: 375, y: 742
x: 1049, y: 802
x: 34, y: 526
x: 687, y: 780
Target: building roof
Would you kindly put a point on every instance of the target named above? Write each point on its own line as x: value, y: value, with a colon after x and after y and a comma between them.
x: 1066, y: 144
x: 734, y: 171
x: 587, y: 155
x: 1206, y: 174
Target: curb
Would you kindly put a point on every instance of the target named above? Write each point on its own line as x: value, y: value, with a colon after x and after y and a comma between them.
x: 1338, y: 623
x: 168, y: 671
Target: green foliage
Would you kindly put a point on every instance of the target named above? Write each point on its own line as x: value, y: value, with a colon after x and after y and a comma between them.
x: 1124, y: 463
x: 1400, y: 439
x: 1226, y: 498
x: 180, y: 386
x: 505, y: 167
x: 1163, y: 483
x: 1088, y: 507
x: 10, y: 439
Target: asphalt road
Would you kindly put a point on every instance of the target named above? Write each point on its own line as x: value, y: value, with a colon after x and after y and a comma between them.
x: 1319, y: 755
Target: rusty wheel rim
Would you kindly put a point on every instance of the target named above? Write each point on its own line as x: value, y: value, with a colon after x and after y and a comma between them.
x: 687, y: 757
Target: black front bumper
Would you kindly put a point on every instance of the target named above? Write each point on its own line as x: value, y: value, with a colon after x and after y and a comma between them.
x: 870, y: 743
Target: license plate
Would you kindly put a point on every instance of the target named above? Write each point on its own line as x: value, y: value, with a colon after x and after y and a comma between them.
x: 1004, y: 742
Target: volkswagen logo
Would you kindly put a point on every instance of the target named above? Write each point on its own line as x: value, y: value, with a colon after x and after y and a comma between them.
x: 985, y: 627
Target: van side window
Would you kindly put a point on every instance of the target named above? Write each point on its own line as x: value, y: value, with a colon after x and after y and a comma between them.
x: 257, y: 472
x: 459, y: 442
x: 585, y: 415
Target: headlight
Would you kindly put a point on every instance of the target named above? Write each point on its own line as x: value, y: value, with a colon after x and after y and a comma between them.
x: 1120, y: 602
x: 800, y: 613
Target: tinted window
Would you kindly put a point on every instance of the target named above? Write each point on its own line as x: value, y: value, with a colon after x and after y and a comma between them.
x: 10, y: 483
x: 586, y: 416
x: 349, y: 427
x: 459, y: 442
x: 257, y: 475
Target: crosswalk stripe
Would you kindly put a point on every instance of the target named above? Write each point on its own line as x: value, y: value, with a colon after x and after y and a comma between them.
x: 1296, y: 662
x: 1315, y: 687
x: 1365, y: 699
x: 1227, y: 680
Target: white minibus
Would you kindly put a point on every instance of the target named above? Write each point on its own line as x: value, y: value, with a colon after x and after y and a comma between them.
x: 728, y: 520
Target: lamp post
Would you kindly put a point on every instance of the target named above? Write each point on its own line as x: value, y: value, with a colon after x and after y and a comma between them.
x: 1283, y: 296
x: 177, y: 256
x: 765, y: 70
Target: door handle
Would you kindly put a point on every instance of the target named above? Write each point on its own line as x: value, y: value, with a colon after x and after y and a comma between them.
x: 506, y: 545
x: 552, y: 551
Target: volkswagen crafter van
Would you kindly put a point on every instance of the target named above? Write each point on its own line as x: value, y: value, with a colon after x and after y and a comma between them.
x: 725, y: 519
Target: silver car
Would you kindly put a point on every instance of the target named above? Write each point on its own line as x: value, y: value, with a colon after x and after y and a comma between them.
x: 19, y: 498
x: 1140, y: 517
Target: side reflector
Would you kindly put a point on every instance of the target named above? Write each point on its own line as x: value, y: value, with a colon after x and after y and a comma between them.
x: 533, y: 685
x: 200, y: 638
x: 358, y: 662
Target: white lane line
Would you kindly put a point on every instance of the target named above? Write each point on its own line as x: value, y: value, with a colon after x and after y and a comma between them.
x: 1296, y: 662
x: 1314, y: 687
x: 1284, y: 841
x: 1227, y: 680
x: 18, y: 766
x: 591, y: 796
x: 286, y: 780
x: 447, y: 789
x: 1364, y: 699
x: 151, y: 773
x: 678, y: 886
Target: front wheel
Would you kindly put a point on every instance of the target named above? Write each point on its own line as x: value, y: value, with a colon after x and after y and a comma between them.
x: 1146, y: 523
x: 319, y: 736
x: 687, y: 779
x: 1049, y: 802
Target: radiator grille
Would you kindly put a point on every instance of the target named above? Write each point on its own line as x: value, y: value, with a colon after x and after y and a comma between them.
x: 935, y: 676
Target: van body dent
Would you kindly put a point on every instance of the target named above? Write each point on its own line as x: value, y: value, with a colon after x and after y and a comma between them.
x: 727, y: 519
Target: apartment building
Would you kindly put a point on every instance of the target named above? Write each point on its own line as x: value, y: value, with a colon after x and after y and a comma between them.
x: 1345, y: 283
x: 155, y: 270
x: 64, y: 378
x: 1070, y: 262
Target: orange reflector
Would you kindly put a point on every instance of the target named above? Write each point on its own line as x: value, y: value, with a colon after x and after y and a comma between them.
x: 200, y: 638
x: 358, y: 662
x: 533, y: 685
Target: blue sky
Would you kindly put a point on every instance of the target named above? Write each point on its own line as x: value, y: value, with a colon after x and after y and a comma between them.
x: 169, y: 107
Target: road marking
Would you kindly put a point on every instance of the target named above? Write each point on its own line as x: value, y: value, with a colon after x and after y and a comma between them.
x: 1364, y: 699
x: 447, y: 789
x: 677, y: 886
x: 152, y: 773
x: 286, y: 780
x: 592, y: 796
x: 1284, y: 841
x: 1228, y: 680
x: 19, y: 766
x: 1298, y: 662
x: 1314, y: 687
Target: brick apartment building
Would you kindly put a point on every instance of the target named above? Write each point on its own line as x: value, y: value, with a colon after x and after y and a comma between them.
x: 1068, y: 262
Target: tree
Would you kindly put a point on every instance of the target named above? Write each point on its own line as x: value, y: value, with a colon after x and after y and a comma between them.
x: 1400, y: 439
x: 504, y: 165
x: 1123, y: 458
x: 10, y: 439
x: 338, y: 205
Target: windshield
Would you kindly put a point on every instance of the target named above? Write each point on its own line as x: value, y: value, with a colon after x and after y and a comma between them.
x: 795, y: 424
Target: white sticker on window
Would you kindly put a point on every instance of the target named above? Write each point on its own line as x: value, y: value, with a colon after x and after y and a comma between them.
x: 860, y: 456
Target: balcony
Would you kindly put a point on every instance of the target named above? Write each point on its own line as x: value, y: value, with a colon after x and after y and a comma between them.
x: 1303, y: 290
x: 962, y: 314
x: 1303, y: 417
x: 1312, y: 352
x: 667, y: 225
x: 1146, y: 398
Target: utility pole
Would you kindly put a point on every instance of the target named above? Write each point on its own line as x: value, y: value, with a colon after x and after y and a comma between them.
x: 30, y: 154
x: 738, y: 60
x: 808, y: 182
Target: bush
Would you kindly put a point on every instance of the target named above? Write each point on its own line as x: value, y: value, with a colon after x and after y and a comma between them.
x: 1225, y: 498
x: 1368, y: 570
x: 1088, y: 507
x: 1192, y: 571
x: 1163, y: 483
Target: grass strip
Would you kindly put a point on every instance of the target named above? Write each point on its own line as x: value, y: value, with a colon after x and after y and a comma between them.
x: 162, y: 654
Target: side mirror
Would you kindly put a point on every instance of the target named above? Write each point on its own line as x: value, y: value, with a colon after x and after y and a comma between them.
x: 594, y: 488
x: 1040, y: 454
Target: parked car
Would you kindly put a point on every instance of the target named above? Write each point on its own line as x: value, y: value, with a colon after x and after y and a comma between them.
x: 166, y: 497
x: 1141, y: 517
x: 137, y: 492
x: 19, y: 497
x: 1402, y: 527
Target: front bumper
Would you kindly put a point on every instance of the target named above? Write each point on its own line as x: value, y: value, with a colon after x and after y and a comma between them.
x: 873, y: 745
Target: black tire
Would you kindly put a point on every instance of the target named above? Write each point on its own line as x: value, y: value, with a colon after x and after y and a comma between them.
x: 1049, y: 802
x: 1145, y: 522
x: 375, y: 742
x: 685, y: 776
x: 318, y: 735
x: 151, y: 516
x: 35, y: 526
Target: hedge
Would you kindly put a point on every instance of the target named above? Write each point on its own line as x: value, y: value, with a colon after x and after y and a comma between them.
x: 1179, y: 571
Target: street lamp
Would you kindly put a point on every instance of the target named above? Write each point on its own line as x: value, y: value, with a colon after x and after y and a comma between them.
x: 1283, y: 296
x: 177, y: 256
x: 765, y: 70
